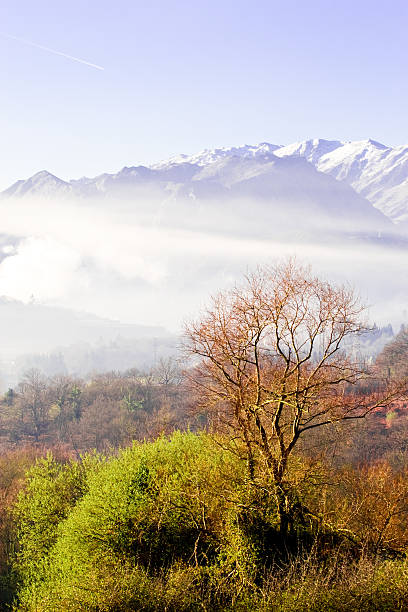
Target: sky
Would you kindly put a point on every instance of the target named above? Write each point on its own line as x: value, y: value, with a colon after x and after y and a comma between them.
x: 181, y: 76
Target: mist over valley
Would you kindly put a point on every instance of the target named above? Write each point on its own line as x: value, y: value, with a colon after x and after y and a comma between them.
x: 148, y: 245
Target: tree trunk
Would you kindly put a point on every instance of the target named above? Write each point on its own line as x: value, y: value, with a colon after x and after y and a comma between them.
x: 283, y: 509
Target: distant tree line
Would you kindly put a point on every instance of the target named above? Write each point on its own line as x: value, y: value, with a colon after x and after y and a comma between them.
x: 108, y: 410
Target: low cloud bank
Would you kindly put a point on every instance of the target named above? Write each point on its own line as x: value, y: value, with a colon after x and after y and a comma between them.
x: 148, y: 262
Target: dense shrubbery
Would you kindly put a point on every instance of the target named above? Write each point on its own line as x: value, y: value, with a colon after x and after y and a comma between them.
x: 174, y: 524
x: 158, y: 507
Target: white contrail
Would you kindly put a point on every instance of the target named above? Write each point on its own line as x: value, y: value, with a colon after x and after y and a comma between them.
x: 32, y: 44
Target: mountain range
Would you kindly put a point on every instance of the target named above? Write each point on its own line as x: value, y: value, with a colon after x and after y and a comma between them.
x: 301, y: 173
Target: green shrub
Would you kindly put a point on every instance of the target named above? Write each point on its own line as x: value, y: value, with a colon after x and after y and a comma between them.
x: 52, y: 490
x: 154, y: 505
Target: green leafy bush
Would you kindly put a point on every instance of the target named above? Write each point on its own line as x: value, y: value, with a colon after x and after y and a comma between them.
x: 151, y: 508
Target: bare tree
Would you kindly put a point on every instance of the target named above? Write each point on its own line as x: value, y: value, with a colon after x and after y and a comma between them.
x: 64, y: 393
x: 167, y: 372
x: 271, y: 366
x: 33, y: 400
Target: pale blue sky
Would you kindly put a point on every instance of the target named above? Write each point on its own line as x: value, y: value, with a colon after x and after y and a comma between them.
x: 185, y: 75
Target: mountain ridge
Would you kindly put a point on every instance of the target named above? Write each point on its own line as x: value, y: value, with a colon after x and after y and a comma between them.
x: 375, y: 171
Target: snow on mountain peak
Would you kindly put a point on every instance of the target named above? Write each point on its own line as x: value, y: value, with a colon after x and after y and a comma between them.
x: 312, y: 149
x: 376, y: 171
x: 209, y: 156
x: 369, y: 142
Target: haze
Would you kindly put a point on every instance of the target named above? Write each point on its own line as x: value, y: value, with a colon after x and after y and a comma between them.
x: 115, y: 260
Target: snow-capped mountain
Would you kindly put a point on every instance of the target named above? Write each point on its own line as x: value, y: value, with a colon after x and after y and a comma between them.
x: 312, y: 150
x: 378, y: 172
x: 209, y: 156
